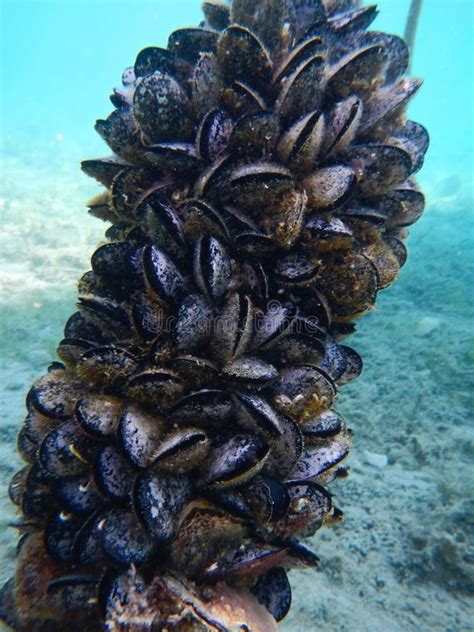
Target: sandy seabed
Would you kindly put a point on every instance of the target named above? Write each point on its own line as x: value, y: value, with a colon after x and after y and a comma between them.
x: 403, y: 557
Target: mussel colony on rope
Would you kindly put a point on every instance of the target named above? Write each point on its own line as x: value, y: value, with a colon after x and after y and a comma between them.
x: 258, y: 195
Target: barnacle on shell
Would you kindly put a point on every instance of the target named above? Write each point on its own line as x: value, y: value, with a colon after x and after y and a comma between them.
x: 258, y: 195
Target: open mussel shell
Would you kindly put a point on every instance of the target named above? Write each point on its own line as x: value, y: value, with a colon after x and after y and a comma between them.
x: 233, y: 328
x: 175, y: 157
x: 354, y: 19
x: 213, y: 134
x: 235, y: 460
x: 182, y: 450
x: 158, y: 499
x: 240, y: 98
x: 317, y: 460
x: 212, y: 267
x: 266, y: 498
x: 309, y: 505
x: 299, y: 146
x: 103, y: 170
x: 388, y: 103
x: 255, y: 413
x: 301, y: 93
x: 205, y: 535
x: 202, y: 218
x: 274, y: 592
x: 259, y: 185
x: 286, y: 449
x: 248, y: 561
x: 124, y: 539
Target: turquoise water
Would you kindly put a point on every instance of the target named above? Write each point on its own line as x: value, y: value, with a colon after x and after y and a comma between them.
x: 403, y: 559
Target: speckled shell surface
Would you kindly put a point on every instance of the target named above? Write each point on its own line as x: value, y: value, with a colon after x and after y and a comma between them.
x: 259, y: 193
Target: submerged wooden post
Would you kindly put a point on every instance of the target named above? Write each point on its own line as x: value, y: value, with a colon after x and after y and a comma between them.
x: 411, y: 27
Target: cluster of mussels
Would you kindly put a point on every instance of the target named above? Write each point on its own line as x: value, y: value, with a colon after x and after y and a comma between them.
x: 259, y: 192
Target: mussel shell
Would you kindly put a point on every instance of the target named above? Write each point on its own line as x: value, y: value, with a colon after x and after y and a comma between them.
x: 317, y: 460
x: 296, y: 269
x: 182, y: 450
x: 158, y: 499
x: 212, y: 267
x: 356, y: 73
x: 235, y: 460
x: 193, y: 323
x: 106, y: 366
x: 255, y: 413
x: 65, y: 451
x: 213, y: 134
x: 327, y: 424
x: 303, y: 390
x: 255, y: 135
x: 152, y: 59
x: 103, y: 170
x: 330, y: 187
x: 113, y: 474
x: 258, y: 186
x: 273, y: 590
x: 99, y: 416
x: 124, y: 539
x: 162, y: 109
x: 88, y: 543
x: 243, y: 56
x: 250, y: 372
x: 60, y: 535
x: 189, y: 43
x: 140, y: 434
x: 233, y: 328
x: 309, y: 505
x: 79, y: 495
x: 207, y: 407
x: 301, y: 92
x: 54, y: 395
x: 163, y: 276
x: 217, y: 13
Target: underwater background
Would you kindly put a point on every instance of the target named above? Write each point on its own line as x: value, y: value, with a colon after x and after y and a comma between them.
x: 403, y: 557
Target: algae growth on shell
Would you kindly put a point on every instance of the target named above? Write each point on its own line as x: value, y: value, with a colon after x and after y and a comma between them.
x: 178, y: 454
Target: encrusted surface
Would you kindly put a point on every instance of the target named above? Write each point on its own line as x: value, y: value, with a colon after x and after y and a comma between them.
x: 259, y: 196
